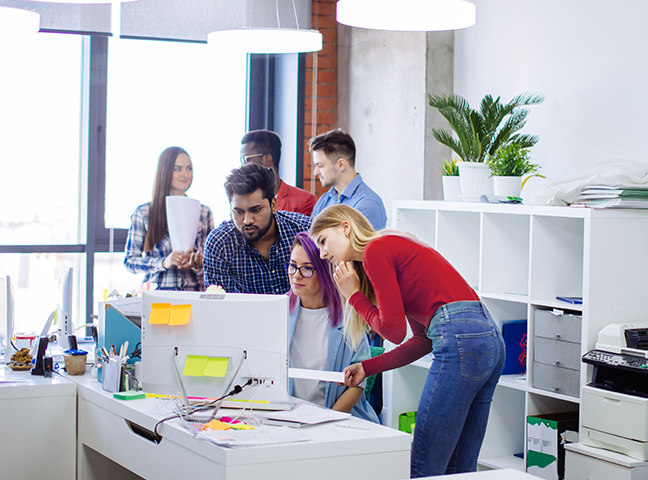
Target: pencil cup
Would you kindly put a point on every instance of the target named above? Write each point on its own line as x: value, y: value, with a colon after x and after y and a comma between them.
x: 112, y: 373
x: 75, y: 364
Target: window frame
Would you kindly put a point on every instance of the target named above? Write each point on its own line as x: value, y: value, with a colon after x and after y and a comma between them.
x: 260, y: 113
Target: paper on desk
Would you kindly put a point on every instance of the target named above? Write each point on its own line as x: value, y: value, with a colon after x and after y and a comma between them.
x: 309, y: 414
x: 321, y: 375
x: 262, y: 435
x: 183, y: 215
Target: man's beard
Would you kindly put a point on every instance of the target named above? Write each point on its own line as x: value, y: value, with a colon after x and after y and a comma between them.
x: 257, y: 234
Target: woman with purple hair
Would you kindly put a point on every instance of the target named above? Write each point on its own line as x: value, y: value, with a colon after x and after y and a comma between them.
x: 316, y: 337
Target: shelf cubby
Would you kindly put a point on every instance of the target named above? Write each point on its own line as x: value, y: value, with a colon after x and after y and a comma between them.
x: 519, y: 259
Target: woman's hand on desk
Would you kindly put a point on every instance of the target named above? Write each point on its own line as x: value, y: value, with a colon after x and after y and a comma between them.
x: 178, y: 258
x: 354, y: 375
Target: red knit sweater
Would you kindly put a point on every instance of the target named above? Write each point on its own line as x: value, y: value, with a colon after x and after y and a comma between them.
x: 411, y: 281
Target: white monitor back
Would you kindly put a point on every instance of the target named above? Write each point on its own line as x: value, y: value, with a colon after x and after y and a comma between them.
x: 6, y: 314
x: 223, y: 325
x: 64, y: 307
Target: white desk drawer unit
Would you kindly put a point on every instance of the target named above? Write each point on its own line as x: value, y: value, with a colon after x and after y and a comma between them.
x: 557, y: 351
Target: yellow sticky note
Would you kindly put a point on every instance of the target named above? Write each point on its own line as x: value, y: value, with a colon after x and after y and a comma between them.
x: 180, y: 314
x: 195, y: 366
x: 216, y: 366
x: 216, y: 425
x: 242, y: 426
x: 160, y: 313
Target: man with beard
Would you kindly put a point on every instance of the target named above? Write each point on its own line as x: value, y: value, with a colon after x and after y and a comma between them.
x: 248, y: 253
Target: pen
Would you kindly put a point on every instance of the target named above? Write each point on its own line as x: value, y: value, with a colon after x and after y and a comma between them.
x: 353, y: 427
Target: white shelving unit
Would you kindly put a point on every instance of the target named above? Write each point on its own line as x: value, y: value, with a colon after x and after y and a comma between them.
x: 519, y: 258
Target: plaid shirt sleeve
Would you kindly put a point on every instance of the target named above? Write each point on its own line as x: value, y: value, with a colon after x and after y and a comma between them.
x: 293, y: 199
x: 216, y: 260
x: 136, y: 261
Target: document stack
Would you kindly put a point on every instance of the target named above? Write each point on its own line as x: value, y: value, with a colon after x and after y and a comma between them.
x: 613, y: 196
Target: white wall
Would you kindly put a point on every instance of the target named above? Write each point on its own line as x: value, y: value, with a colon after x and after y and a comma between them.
x: 383, y: 79
x: 587, y: 56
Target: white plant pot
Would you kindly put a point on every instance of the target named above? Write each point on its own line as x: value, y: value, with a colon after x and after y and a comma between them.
x: 507, y: 186
x: 475, y: 180
x: 451, y: 189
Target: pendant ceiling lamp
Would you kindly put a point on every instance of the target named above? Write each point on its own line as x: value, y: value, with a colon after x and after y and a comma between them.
x: 406, y: 15
x: 16, y: 21
x: 268, y: 39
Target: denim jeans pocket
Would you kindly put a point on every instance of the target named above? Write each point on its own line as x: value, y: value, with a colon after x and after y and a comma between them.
x: 477, y: 355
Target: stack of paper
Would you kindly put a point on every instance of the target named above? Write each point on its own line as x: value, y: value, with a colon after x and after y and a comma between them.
x: 612, y: 196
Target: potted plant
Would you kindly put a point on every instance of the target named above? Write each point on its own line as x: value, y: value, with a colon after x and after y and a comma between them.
x: 451, y: 188
x: 509, y: 164
x: 479, y: 133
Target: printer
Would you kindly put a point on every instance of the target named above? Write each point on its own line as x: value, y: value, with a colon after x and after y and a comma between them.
x: 614, y: 405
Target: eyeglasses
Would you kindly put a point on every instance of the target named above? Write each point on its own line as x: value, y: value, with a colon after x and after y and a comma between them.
x: 306, y: 272
x: 246, y: 158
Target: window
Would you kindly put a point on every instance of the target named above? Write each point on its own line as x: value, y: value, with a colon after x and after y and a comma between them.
x: 55, y: 109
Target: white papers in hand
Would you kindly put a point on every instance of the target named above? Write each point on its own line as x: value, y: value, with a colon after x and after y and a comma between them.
x: 309, y: 414
x: 322, y: 375
x: 183, y: 215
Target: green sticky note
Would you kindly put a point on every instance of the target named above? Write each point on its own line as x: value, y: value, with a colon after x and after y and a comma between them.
x: 216, y: 366
x: 130, y: 395
x: 180, y: 314
x: 195, y: 365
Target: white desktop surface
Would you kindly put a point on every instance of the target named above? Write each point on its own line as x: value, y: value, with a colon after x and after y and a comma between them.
x: 38, y: 425
x: 504, y: 474
x: 376, y: 453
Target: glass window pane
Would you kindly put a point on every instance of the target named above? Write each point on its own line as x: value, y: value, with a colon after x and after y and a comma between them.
x: 110, y: 275
x: 163, y: 94
x: 35, y: 279
x: 40, y: 113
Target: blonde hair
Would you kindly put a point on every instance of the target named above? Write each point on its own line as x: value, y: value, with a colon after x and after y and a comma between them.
x: 360, y: 234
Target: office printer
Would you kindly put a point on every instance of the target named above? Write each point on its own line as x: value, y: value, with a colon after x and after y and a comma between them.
x: 614, y: 405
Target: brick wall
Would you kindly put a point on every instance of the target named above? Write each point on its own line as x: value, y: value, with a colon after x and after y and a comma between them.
x: 321, y: 85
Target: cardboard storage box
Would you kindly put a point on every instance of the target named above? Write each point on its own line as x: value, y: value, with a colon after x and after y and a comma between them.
x: 546, y: 436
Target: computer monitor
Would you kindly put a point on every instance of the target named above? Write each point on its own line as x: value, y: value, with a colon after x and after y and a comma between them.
x: 6, y: 314
x: 65, y: 325
x: 244, y: 335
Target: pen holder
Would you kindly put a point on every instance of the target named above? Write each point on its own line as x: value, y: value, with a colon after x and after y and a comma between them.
x: 75, y: 361
x: 112, y: 374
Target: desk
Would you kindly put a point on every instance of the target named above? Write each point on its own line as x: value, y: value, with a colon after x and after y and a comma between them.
x: 505, y: 474
x: 38, y: 425
x: 377, y: 453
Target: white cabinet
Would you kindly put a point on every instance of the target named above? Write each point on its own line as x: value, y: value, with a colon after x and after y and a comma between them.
x: 519, y: 259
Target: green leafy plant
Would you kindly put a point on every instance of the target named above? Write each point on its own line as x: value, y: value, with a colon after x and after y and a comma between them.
x: 511, y: 161
x: 482, y: 132
x: 449, y: 168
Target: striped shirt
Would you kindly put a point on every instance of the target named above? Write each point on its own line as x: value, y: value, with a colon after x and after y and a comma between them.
x: 238, y: 267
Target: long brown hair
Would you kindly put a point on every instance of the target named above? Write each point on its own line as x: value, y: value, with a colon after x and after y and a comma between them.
x: 157, y: 226
x: 360, y: 234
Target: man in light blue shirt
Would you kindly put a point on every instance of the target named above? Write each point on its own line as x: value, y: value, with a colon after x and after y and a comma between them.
x: 334, y: 161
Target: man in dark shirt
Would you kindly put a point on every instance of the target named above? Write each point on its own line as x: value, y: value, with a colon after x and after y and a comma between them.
x: 248, y: 253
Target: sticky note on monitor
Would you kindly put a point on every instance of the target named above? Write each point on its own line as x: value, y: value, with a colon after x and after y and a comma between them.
x: 216, y: 366
x: 195, y: 366
x: 160, y: 313
x: 180, y: 314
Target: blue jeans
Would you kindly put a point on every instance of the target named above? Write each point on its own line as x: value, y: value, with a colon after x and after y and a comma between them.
x: 453, y: 411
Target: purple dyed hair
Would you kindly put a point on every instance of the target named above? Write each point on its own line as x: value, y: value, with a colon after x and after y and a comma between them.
x: 328, y: 291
